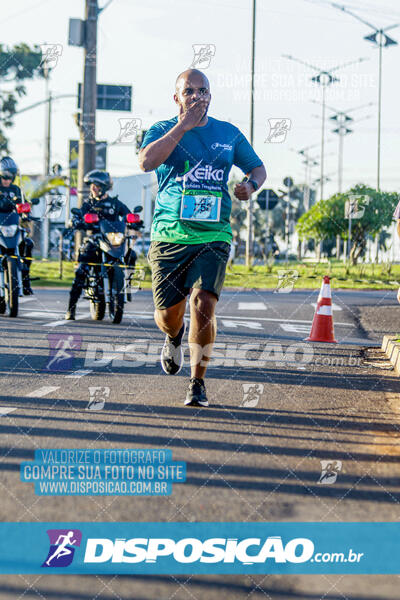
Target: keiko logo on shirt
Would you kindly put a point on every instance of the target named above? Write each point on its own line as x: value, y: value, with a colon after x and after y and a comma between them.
x: 198, y: 173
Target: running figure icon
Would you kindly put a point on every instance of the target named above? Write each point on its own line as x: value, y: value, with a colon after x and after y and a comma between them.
x: 62, y: 549
x: 62, y: 347
x: 62, y: 351
x: 63, y: 545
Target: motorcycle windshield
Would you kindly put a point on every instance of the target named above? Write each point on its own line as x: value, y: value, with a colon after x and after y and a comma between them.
x: 10, y: 218
x: 112, y: 226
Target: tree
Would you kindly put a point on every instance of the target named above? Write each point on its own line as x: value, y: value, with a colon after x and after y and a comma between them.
x: 36, y: 189
x: 327, y: 219
x: 17, y: 64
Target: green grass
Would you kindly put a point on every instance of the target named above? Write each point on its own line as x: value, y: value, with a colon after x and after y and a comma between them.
x: 310, y: 275
x: 266, y: 277
x: 49, y: 273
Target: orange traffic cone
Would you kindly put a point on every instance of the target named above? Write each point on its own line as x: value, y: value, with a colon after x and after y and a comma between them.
x: 322, y: 325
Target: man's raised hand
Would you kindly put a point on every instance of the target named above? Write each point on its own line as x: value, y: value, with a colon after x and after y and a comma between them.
x: 194, y: 114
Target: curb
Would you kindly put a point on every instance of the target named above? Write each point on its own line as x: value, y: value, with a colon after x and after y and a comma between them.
x: 392, y: 350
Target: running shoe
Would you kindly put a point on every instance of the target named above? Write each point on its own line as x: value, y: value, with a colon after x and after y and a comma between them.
x: 196, y: 394
x: 172, y: 353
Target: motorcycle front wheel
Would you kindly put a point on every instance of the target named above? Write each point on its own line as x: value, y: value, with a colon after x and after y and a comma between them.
x: 98, y: 309
x: 3, y: 305
x: 12, y: 287
x: 94, y: 291
x: 116, y: 303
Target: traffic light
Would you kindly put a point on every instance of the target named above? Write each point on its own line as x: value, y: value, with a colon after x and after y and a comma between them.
x: 269, y: 195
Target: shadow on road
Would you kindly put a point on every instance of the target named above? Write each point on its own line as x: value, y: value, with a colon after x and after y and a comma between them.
x: 148, y: 588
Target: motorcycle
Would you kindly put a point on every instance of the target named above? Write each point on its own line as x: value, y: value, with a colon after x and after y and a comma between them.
x: 109, y: 282
x: 11, y: 235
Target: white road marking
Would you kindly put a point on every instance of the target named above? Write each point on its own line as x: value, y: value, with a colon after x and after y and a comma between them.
x: 42, y: 314
x: 64, y: 321
x: 282, y: 320
x: 150, y: 315
x: 334, y: 306
x: 236, y: 324
x: 79, y: 373
x: 26, y: 299
x: 230, y: 317
x: 55, y: 323
x: 295, y: 328
x: 4, y: 410
x: 43, y: 391
x: 252, y: 306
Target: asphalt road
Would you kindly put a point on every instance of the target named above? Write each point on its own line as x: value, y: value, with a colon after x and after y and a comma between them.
x: 249, y: 457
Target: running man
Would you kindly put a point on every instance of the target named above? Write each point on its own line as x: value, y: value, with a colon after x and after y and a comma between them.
x: 62, y: 346
x: 62, y: 549
x: 192, y: 155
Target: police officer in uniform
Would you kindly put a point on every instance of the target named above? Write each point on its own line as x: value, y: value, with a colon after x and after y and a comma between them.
x: 10, y: 196
x: 107, y: 207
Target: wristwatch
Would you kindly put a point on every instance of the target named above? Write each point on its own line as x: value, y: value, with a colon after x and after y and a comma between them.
x: 254, y: 184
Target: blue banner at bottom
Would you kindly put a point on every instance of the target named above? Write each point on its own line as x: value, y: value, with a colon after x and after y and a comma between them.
x: 193, y: 548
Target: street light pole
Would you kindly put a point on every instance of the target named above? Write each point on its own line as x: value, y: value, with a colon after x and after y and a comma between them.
x: 381, y: 39
x: 342, y: 119
x: 287, y: 225
x: 309, y: 164
x: 323, y: 78
x: 44, y: 237
x: 249, y: 241
x: 87, y: 124
x: 324, y: 85
x: 266, y: 224
x: 341, y: 133
x: 342, y: 130
x: 378, y: 174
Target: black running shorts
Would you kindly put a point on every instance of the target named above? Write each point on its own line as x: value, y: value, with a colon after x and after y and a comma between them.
x: 178, y: 267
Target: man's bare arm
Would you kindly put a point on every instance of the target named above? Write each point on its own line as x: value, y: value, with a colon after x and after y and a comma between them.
x: 398, y: 227
x: 153, y: 155
x: 259, y: 174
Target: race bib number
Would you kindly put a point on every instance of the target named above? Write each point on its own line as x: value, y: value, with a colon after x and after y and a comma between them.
x: 198, y: 206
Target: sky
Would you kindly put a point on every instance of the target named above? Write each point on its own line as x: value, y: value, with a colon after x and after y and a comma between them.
x: 146, y: 44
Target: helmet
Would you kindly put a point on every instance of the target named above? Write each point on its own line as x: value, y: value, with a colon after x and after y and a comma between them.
x: 100, y: 178
x: 8, y: 167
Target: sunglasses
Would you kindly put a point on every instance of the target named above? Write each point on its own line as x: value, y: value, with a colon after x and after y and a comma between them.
x: 7, y: 177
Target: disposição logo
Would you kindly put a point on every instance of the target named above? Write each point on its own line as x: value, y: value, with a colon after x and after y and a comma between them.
x: 62, y: 547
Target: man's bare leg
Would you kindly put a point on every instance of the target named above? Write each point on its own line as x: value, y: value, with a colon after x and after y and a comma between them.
x: 170, y: 320
x: 202, y: 331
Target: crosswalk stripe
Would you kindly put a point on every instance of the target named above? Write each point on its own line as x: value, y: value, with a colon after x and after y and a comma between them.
x: 5, y: 410
x: 79, y: 373
x: 252, y: 306
x: 43, y: 391
x: 64, y: 322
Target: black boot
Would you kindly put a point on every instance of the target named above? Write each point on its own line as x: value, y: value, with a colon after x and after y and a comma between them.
x: 26, y: 282
x: 70, y: 314
x: 73, y: 299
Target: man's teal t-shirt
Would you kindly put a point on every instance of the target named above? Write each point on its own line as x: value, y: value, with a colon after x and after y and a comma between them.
x: 193, y: 205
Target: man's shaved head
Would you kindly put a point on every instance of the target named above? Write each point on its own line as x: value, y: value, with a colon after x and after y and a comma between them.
x: 192, y: 87
x: 191, y: 75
